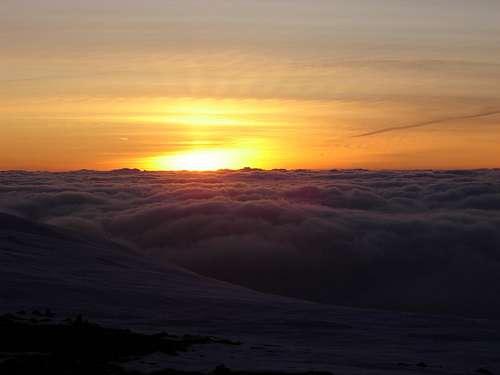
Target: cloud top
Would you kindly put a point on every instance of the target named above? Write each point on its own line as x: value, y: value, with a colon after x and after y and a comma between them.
x: 409, y: 240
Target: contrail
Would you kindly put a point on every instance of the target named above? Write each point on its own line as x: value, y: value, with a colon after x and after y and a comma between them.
x: 427, y: 123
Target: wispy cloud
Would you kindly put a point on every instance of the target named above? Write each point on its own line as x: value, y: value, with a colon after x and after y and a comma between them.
x: 83, y: 75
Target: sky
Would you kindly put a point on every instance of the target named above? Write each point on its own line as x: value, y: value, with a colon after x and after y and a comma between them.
x: 200, y: 85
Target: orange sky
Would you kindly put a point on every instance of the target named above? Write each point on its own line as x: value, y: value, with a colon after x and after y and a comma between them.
x: 275, y: 84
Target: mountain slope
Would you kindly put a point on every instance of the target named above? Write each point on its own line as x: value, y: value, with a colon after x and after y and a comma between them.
x: 45, y: 267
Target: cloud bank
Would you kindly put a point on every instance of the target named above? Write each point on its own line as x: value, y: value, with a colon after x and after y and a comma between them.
x: 415, y: 240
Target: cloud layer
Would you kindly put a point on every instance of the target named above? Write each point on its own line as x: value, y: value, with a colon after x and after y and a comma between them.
x: 419, y: 241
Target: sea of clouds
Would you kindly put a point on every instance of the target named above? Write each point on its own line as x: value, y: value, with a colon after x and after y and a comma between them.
x: 409, y: 240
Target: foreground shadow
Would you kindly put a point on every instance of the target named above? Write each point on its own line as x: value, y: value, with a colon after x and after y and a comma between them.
x: 38, y: 343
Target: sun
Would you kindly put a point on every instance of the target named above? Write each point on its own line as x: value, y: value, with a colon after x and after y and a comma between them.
x: 239, y: 154
x: 202, y: 160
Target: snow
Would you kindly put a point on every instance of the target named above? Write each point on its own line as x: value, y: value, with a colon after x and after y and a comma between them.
x: 43, y: 266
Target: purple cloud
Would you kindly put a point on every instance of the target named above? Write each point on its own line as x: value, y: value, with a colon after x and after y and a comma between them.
x: 410, y: 240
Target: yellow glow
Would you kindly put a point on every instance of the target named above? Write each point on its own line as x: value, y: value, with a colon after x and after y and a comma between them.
x: 203, y: 160
x: 208, y: 134
x: 210, y: 112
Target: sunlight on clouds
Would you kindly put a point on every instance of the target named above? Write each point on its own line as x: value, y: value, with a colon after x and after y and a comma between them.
x: 207, y: 112
x: 212, y: 112
x: 168, y: 133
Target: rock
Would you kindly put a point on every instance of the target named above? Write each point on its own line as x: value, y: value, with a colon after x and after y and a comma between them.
x: 222, y: 370
x: 484, y: 371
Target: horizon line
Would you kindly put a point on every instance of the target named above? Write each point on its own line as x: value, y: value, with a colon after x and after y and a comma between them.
x: 245, y: 169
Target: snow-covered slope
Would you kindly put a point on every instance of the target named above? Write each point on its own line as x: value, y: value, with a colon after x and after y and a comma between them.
x: 46, y: 267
